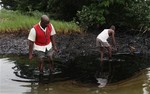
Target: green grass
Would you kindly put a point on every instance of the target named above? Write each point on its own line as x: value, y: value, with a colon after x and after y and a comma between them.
x: 13, y: 21
x: 65, y: 27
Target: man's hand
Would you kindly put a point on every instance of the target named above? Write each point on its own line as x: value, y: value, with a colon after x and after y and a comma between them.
x: 114, y: 49
x: 55, y: 48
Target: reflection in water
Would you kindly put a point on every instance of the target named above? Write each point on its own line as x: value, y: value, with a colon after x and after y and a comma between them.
x: 102, y: 82
x: 146, y: 84
x: 7, y: 86
x: 139, y: 84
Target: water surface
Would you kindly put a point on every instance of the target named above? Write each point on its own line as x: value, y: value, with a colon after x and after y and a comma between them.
x: 138, y: 84
x: 7, y: 86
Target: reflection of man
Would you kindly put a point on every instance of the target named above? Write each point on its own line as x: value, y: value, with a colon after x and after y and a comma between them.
x: 41, y: 39
x: 102, y: 42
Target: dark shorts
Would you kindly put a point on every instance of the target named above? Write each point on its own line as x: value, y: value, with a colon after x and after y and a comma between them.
x: 47, y: 53
x: 99, y: 43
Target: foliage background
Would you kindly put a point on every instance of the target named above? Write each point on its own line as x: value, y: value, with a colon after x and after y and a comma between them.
x: 128, y: 14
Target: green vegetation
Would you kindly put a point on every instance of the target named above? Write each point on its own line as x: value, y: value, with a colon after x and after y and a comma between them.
x: 128, y: 15
x: 13, y: 21
x: 65, y: 27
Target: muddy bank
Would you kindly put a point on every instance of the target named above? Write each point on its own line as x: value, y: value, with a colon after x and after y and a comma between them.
x: 73, y: 45
x: 78, y: 52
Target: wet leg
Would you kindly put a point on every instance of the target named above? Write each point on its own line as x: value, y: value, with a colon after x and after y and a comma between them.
x: 41, y: 65
x: 51, y: 64
x: 102, y: 55
x: 109, y: 49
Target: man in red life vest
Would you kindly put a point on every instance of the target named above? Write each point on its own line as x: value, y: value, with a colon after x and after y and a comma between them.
x: 41, y: 39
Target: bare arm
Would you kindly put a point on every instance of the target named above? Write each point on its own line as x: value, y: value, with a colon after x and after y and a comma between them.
x: 30, y: 49
x: 53, y: 42
x: 113, y: 38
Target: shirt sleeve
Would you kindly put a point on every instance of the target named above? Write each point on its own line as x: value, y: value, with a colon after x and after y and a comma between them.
x: 53, y: 30
x: 32, y: 35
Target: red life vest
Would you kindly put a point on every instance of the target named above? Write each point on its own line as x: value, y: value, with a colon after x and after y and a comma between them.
x: 42, y: 38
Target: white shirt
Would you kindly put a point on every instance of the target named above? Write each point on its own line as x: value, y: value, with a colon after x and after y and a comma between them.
x: 103, y: 36
x: 32, y: 37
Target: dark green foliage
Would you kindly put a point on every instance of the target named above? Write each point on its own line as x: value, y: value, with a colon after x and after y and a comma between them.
x: 140, y: 12
x: 9, y: 4
x: 95, y: 13
x: 133, y: 14
x: 64, y: 9
x: 90, y: 16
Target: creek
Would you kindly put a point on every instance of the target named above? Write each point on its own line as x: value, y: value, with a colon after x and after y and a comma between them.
x: 130, y: 75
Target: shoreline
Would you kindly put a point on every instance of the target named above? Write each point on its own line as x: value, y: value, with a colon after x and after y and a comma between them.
x: 78, y: 52
x: 73, y: 45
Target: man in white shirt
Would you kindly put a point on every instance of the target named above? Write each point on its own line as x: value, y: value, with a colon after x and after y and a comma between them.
x: 102, y: 42
x: 41, y: 39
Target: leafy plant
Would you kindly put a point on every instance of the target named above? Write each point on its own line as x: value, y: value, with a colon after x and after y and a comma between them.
x: 89, y: 16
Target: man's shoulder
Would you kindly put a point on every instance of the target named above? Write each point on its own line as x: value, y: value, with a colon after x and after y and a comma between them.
x: 32, y: 29
x: 111, y: 31
x: 51, y: 25
x: 35, y: 25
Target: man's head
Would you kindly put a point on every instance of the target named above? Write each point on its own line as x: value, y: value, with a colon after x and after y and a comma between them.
x: 44, y: 21
x: 113, y: 27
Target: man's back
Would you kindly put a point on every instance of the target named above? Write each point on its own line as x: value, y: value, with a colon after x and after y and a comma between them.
x: 103, y: 36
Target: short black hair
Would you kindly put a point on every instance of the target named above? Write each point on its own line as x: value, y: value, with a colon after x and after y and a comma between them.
x: 112, y: 27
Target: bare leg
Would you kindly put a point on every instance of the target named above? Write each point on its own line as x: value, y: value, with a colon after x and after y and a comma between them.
x: 102, y: 55
x: 109, y: 49
x: 41, y: 65
x: 51, y: 64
